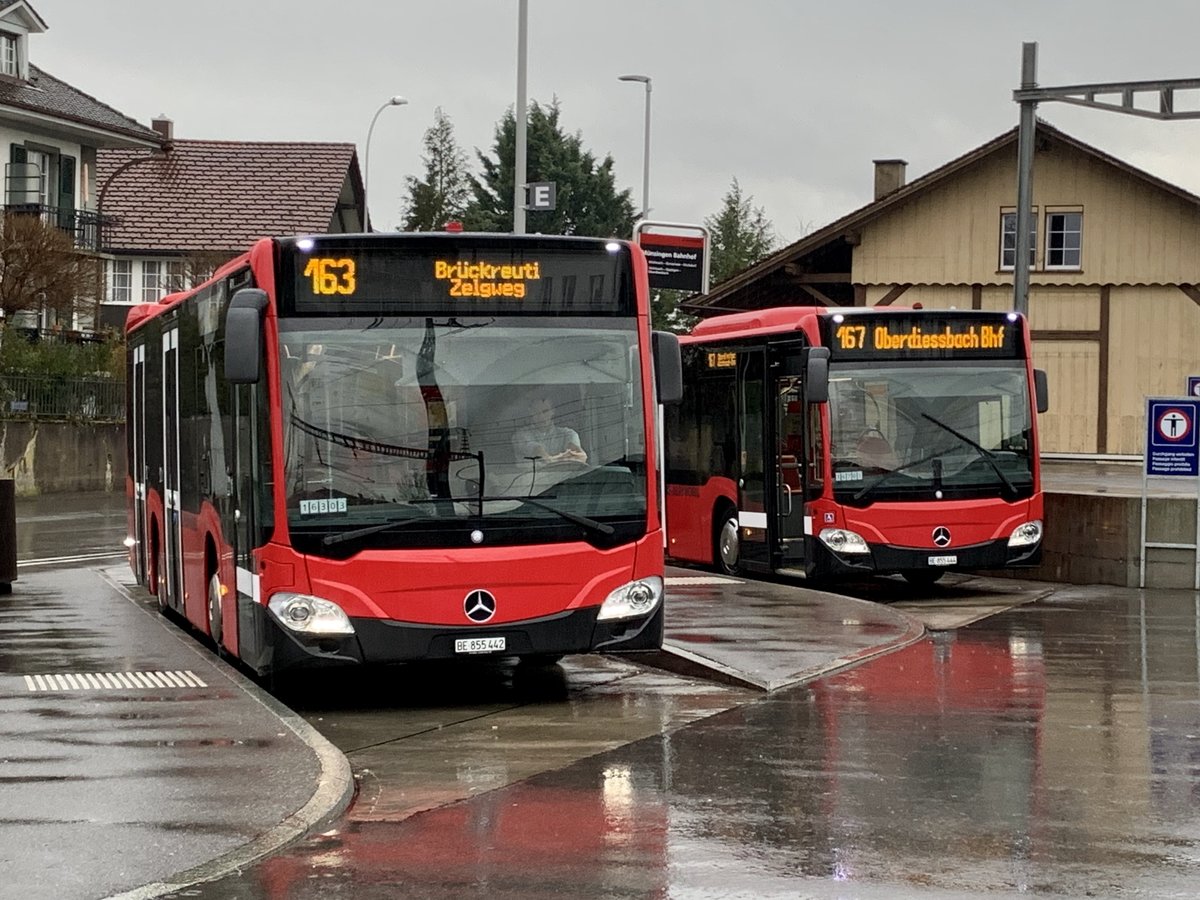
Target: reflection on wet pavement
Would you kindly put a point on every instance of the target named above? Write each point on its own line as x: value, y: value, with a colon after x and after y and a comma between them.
x: 1051, y: 751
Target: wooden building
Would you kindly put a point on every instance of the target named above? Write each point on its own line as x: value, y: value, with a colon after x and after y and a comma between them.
x: 1114, y: 300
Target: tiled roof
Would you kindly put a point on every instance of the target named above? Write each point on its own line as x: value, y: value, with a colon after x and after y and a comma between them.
x: 220, y: 195
x: 44, y: 93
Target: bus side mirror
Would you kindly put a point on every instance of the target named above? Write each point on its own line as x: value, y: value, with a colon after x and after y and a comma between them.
x: 668, y: 366
x: 1041, y: 390
x: 816, y: 376
x: 243, y: 336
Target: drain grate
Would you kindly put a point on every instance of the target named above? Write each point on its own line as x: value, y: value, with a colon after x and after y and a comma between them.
x: 112, y: 681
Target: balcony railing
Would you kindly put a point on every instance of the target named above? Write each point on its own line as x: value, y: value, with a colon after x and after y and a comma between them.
x: 85, y: 227
x: 62, y: 399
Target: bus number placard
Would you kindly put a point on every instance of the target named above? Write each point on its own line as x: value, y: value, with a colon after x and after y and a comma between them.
x: 721, y: 360
x: 330, y: 276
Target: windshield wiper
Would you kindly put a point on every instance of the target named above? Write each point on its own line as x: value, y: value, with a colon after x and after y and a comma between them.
x: 986, y: 454
x: 887, y: 475
x: 590, y: 524
x: 342, y: 536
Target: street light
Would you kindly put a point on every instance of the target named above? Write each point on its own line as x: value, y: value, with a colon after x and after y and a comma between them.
x: 392, y: 101
x: 644, y: 79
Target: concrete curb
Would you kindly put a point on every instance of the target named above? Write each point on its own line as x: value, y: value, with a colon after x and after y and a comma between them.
x: 334, y: 790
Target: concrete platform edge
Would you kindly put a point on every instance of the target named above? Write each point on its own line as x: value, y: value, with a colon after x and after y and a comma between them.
x: 334, y: 790
x: 681, y: 661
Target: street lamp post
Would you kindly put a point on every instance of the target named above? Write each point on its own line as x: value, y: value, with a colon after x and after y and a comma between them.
x: 391, y: 101
x: 644, y: 79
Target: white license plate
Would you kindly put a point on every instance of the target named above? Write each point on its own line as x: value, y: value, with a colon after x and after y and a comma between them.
x: 943, y: 560
x: 479, y: 645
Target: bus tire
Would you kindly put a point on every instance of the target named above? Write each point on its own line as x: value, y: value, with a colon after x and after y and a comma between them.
x: 727, y: 551
x: 923, y: 578
x: 214, y: 611
x: 160, y: 577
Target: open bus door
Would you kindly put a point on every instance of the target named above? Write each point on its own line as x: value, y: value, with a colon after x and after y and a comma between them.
x: 787, y: 443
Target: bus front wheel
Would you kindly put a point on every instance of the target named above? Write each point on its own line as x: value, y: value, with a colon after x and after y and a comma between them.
x: 727, y: 548
x: 214, y: 610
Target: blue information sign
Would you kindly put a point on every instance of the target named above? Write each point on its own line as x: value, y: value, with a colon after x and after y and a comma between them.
x: 1193, y: 389
x: 1172, y: 436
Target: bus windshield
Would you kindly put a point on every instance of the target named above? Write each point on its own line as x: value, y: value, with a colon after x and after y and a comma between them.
x: 930, y: 431
x: 431, y: 431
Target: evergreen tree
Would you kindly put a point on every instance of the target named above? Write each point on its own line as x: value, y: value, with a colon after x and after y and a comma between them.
x: 443, y: 194
x: 741, y: 235
x: 587, y: 199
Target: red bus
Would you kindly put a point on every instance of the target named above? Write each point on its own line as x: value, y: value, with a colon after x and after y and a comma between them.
x: 329, y: 452
x: 824, y: 443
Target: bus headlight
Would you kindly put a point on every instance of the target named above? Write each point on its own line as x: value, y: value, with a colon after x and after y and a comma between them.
x: 638, y: 598
x: 1026, y: 535
x: 839, y: 540
x: 309, y: 615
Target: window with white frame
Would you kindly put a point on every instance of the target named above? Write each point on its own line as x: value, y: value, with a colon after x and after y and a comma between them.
x: 1064, y: 240
x: 1008, y: 240
x: 8, y: 55
x: 161, y: 277
x: 151, y: 281
x: 120, y: 281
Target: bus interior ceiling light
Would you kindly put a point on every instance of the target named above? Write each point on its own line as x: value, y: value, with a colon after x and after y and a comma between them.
x: 309, y: 615
x: 637, y: 598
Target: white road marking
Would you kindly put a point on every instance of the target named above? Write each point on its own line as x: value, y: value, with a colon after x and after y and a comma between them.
x: 93, y: 681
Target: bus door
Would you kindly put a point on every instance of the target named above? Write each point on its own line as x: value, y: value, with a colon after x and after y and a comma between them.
x: 171, y: 577
x: 138, y: 461
x: 753, y: 444
x: 788, y: 448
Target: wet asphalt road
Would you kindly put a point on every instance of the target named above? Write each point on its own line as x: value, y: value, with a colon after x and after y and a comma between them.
x: 1050, y: 750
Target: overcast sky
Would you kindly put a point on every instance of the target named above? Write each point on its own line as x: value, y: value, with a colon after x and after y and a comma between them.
x: 793, y: 98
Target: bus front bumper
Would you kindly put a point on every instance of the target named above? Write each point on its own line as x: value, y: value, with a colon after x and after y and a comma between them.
x: 272, y: 647
x: 885, y: 559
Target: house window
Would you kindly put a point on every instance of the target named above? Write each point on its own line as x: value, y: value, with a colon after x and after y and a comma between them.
x: 1008, y: 240
x: 120, y: 280
x: 8, y: 55
x: 1064, y: 240
x: 151, y: 281
x: 173, y: 279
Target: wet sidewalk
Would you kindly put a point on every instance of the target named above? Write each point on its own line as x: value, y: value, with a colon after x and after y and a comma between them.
x: 132, y: 760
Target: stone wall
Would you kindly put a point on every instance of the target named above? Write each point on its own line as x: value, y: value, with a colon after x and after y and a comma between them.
x: 61, y: 457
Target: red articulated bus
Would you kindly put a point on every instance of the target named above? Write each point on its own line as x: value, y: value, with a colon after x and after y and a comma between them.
x: 379, y: 448
x: 826, y: 443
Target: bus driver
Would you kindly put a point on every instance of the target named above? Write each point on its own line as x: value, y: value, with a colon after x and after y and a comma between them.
x: 543, y: 440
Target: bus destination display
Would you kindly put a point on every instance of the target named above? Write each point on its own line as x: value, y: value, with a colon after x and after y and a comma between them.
x: 925, y: 337
x: 377, y: 278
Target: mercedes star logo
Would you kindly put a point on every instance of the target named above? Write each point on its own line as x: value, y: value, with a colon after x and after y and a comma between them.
x: 479, y: 606
x: 941, y: 536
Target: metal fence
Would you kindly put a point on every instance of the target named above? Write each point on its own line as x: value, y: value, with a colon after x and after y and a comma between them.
x: 72, y: 399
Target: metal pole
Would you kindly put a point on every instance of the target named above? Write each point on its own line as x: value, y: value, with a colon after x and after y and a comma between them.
x: 646, y: 159
x: 391, y: 101
x: 1025, y: 135
x: 520, y: 116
